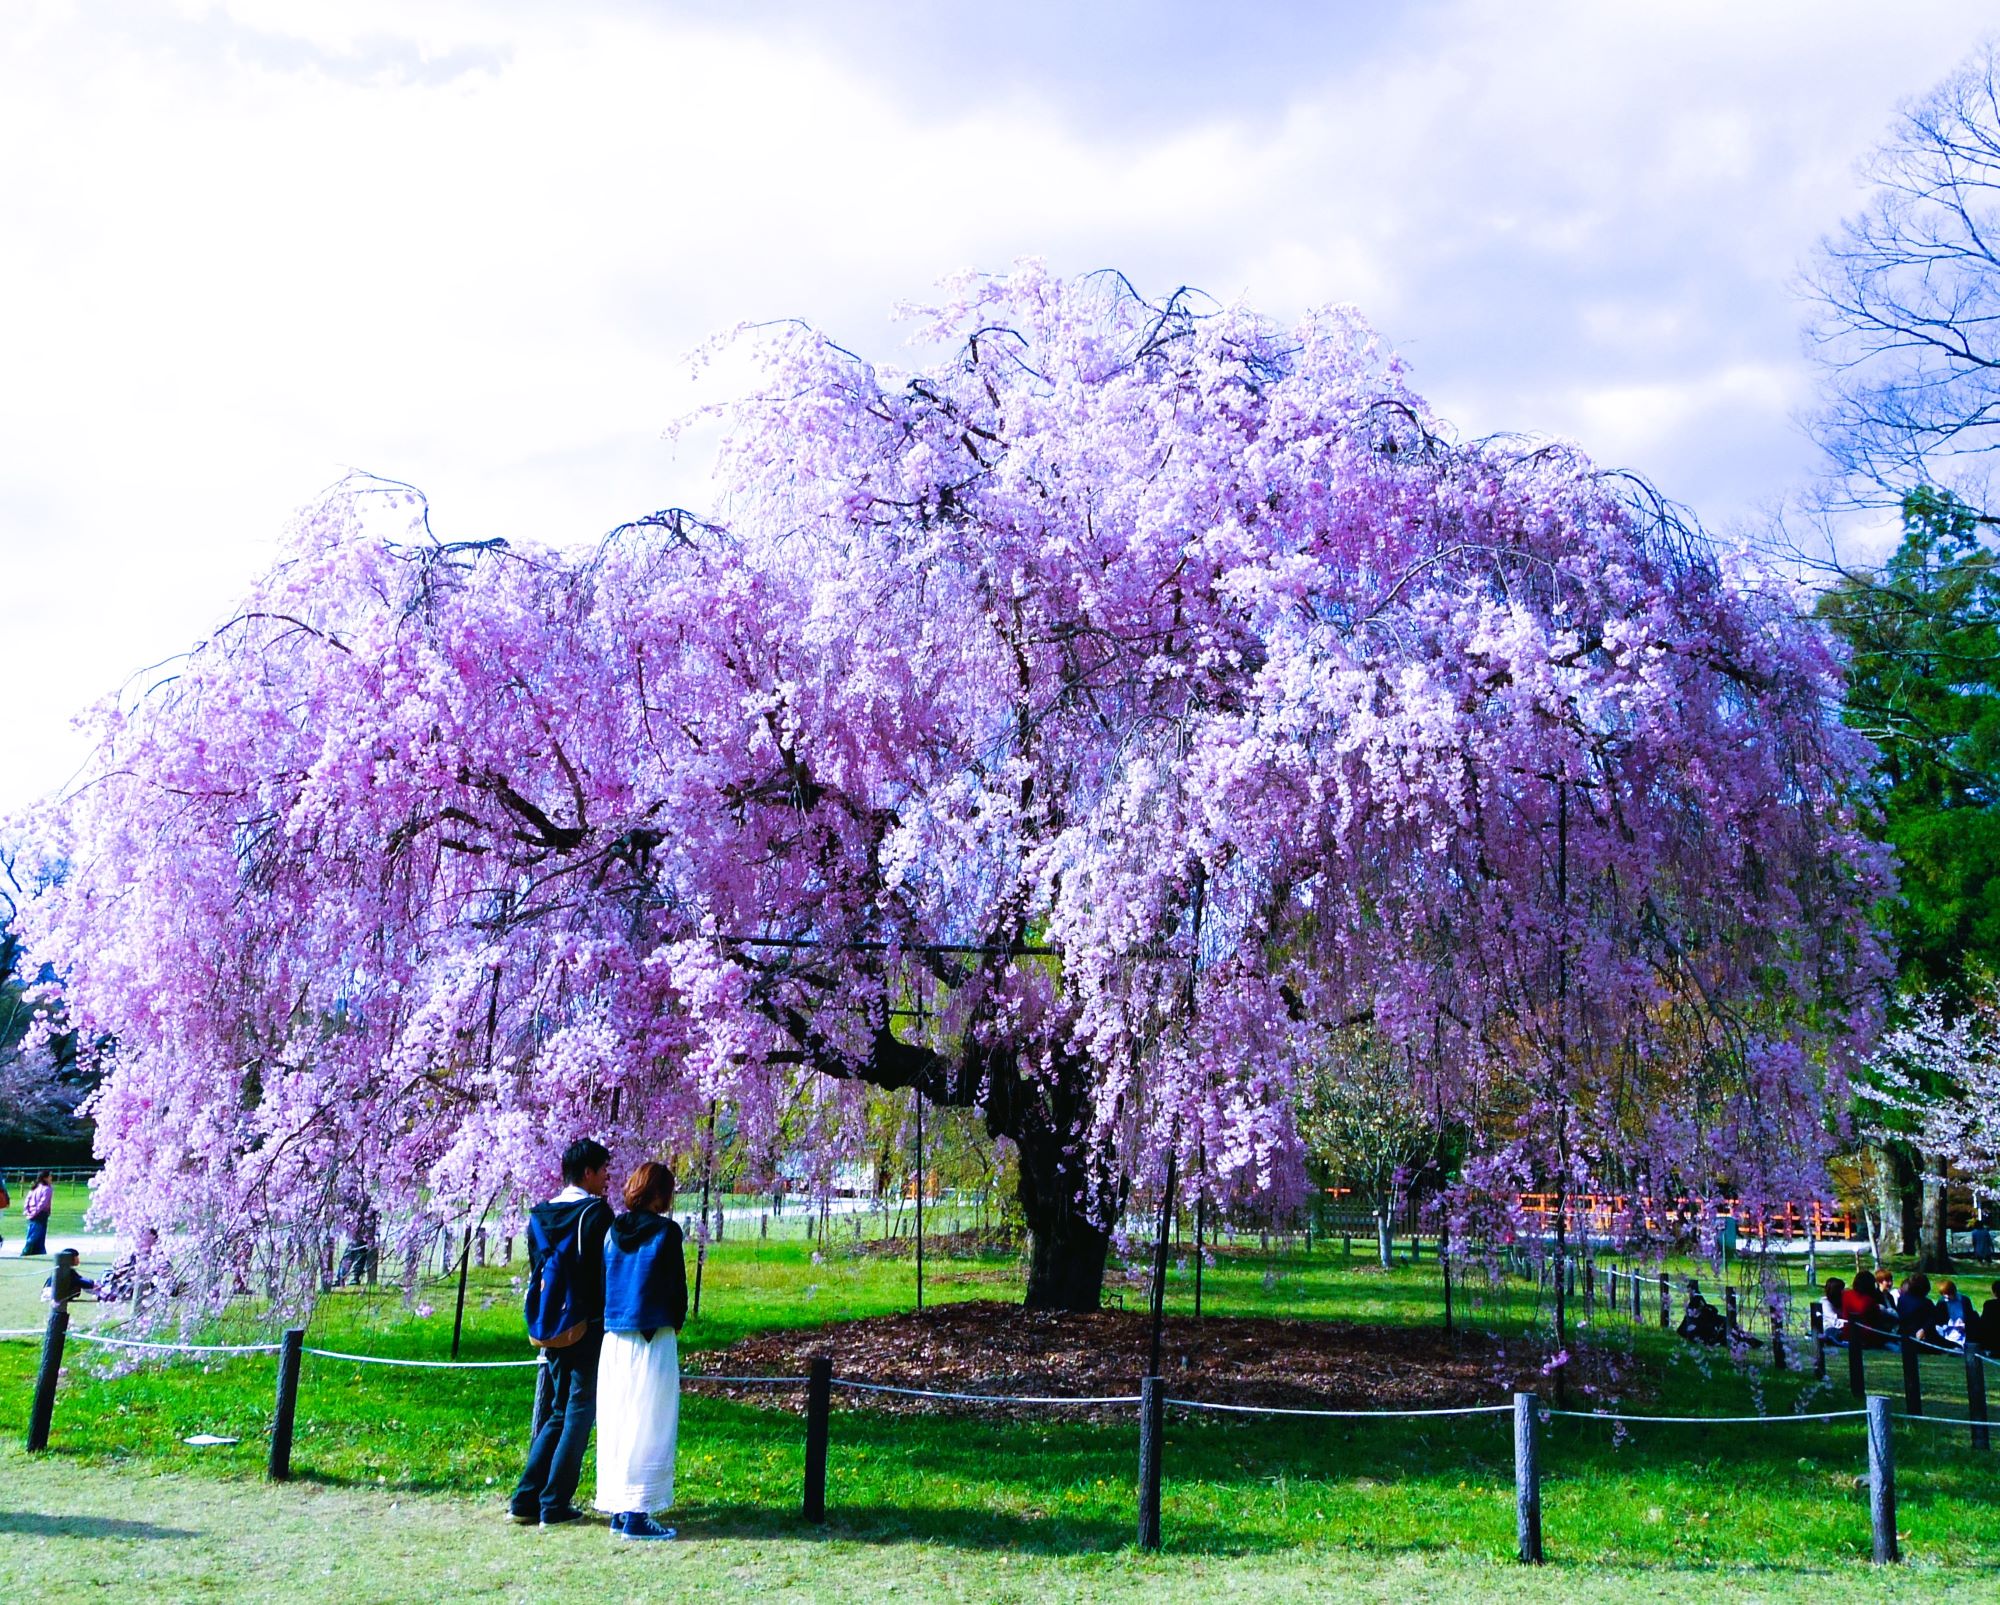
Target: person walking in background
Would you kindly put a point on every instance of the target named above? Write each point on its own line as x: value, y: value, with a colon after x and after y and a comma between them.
x: 36, y: 1209
x: 639, y: 1378
x: 565, y: 1313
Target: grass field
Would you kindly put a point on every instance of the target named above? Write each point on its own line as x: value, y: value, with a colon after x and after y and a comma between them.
x: 402, y: 1473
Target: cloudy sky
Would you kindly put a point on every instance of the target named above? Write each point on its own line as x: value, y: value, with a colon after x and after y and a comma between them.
x: 245, y: 247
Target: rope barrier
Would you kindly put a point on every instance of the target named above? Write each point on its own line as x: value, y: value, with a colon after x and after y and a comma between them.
x: 980, y: 1398
x: 1942, y: 1421
x: 1709, y: 1421
x: 423, y: 1365
x: 738, y: 1382
x: 176, y: 1348
x: 1340, y: 1415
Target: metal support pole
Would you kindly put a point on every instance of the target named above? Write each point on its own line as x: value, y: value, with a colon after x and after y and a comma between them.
x: 1444, y: 1265
x: 1975, y: 1397
x: 819, y: 1404
x: 1527, y: 1478
x: 1200, y: 1232
x: 1152, y: 1433
x: 1160, y: 1264
x: 289, y: 1356
x: 44, y: 1409
x: 918, y: 1097
x: 707, y: 1176
x: 458, y: 1315
x: 1882, y: 1480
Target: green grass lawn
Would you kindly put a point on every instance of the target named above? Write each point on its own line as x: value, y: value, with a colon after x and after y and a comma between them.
x: 976, y: 1507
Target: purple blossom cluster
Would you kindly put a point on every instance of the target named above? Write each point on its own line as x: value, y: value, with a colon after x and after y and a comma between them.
x: 1082, y: 727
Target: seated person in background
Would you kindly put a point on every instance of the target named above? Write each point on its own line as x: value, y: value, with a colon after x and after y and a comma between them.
x: 1989, y: 1323
x: 65, y: 1282
x: 1701, y: 1321
x: 1916, y: 1316
x: 1955, y: 1316
x: 1833, y: 1325
x: 1858, y: 1309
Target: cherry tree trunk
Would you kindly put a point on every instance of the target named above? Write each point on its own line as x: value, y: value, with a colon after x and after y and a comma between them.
x: 1066, y: 1248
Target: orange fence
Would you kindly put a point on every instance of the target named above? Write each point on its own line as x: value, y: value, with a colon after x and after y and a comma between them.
x: 1608, y: 1213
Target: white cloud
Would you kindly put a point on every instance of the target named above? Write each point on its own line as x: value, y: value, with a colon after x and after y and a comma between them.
x: 248, y: 245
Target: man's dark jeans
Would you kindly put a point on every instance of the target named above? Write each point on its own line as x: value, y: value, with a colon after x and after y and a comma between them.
x: 555, y: 1459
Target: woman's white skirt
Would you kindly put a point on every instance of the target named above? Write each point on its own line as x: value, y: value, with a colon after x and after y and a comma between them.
x: 638, y: 1420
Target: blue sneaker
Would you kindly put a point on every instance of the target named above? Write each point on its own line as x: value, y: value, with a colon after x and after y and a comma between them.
x: 637, y: 1524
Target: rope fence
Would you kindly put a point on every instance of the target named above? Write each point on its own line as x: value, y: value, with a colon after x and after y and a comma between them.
x: 1153, y: 1401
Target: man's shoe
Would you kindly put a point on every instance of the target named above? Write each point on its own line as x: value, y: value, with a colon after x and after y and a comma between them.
x: 561, y: 1518
x: 523, y: 1518
x: 637, y: 1524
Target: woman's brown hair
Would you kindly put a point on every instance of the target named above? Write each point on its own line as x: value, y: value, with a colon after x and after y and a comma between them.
x: 651, y: 1188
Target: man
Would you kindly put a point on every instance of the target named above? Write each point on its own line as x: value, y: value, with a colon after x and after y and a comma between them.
x: 565, y: 1313
x: 41, y: 1203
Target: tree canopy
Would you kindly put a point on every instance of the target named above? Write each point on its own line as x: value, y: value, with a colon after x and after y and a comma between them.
x: 1078, y: 727
x: 1924, y: 683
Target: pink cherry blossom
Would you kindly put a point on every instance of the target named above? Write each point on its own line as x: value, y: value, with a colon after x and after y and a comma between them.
x: 1081, y: 726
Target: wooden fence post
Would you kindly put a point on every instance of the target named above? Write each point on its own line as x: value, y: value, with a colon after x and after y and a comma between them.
x: 1857, y: 1361
x: 1818, y: 1318
x: 1152, y: 1434
x: 1637, y: 1314
x: 44, y: 1409
x: 819, y: 1405
x: 1778, y: 1334
x: 1527, y: 1479
x: 289, y: 1356
x: 1882, y: 1480
x: 1913, y: 1377
x: 1666, y: 1299
x: 1975, y: 1396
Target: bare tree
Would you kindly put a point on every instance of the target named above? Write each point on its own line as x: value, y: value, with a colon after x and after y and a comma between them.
x: 1907, y: 303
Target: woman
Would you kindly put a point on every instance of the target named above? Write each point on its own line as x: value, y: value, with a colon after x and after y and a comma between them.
x: 639, y: 1375
x: 40, y: 1205
x: 1955, y: 1315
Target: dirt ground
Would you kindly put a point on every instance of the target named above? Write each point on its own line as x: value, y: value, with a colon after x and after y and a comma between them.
x: 984, y: 1346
